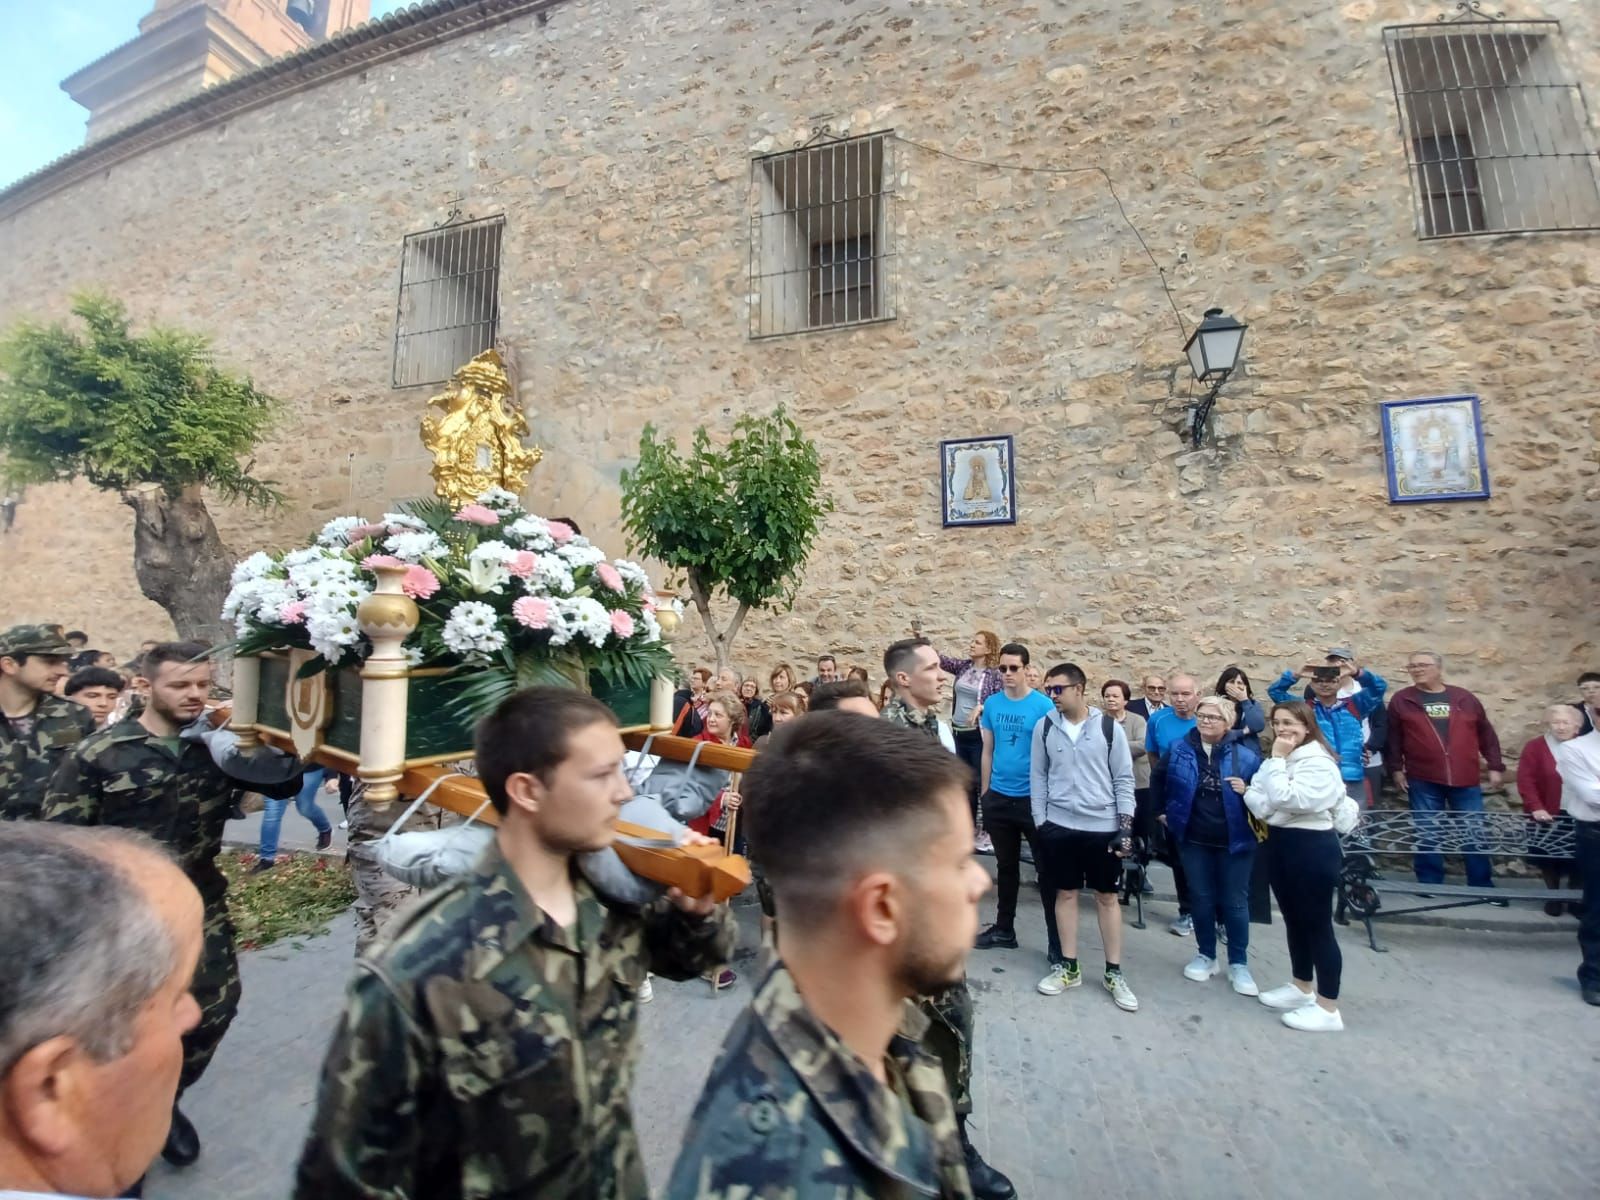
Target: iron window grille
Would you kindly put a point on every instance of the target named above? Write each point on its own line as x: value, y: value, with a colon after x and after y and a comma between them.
x: 449, y: 309
x: 1496, y: 131
x: 821, y: 237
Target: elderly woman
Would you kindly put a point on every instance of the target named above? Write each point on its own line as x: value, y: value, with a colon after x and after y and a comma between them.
x: 758, y: 718
x: 1207, y: 771
x: 1539, y: 785
x: 977, y: 677
x: 1296, y: 792
x: 1114, y: 697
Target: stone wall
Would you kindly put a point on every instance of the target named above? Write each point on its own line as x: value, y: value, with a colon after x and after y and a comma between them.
x: 1254, y: 146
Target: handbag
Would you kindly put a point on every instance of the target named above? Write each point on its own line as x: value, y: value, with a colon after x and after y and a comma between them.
x: 425, y: 858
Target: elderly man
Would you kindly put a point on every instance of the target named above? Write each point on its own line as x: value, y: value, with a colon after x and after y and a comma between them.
x: 1154, y: 698
x: 91, y: 1033
x: 1165, y: 727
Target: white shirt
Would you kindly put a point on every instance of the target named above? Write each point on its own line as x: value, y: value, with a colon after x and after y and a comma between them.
x: 1578, y: 761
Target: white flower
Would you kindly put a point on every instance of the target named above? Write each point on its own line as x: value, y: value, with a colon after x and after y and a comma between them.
x: 269, y: 598
x: 486, y: 569
x: 551, y: 576
x: 302, y: 556
x: 402, y: 521
x: 337, y: 531
x: 632, y: 573
x: 651, y: 627
x: 532, y: 532
x: 588, y: 617
x: 414, y: 655
x: 472, y: 629
x: 413, y: 547
x: 500, y: 500
x: 580, y: 553
x: 331, y: 632
x: 560, y: 629
x: 254, y: 567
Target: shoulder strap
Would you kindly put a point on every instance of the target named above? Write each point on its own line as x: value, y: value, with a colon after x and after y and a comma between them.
x: 1107, y: 726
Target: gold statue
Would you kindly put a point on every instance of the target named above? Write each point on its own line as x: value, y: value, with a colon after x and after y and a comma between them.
x: 477, y: 443
x: 977, y: 479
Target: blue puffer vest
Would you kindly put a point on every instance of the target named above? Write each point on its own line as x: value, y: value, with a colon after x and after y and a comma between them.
x: 1237, y: 755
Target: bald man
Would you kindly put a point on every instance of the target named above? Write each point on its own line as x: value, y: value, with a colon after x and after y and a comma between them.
x: 91, y: 1037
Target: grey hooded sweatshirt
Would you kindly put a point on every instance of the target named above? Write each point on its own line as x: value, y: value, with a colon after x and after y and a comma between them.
x: 1083, y: 784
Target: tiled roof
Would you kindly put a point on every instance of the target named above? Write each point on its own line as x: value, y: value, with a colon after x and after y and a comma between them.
x: 401, y: 32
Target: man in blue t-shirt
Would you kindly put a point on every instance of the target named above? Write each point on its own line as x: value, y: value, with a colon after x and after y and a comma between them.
x: 1171, y: 725
x: 1007, y: 768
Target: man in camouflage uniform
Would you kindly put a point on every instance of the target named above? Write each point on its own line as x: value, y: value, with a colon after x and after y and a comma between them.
x: 824, y: 1086
x: 139, y: 774
x: 912, y: 665
x: 39, y: 727
x: 488, y: 1048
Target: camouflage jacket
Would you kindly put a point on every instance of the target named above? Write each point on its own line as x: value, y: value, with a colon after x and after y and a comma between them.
x: 898, y: 712
x: 790, y: 1113
x: 26, y: 764
x: 489, y: 1052
x: 125, y: 776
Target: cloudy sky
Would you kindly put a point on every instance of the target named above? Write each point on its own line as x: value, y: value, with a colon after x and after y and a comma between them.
x: 41, y: 43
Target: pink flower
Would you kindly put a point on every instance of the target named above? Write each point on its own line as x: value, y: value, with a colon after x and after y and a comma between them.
x: 292, y: 613
x: 477, y: 514
x: 621, y: 624
x: 532, y: 612
x: 419, y: 583
x: 607, y: 574
x: 361, y: 533
x: 373, y: 561
x: 560, y: 531
x: 649, y: 602
x: 523, y: 563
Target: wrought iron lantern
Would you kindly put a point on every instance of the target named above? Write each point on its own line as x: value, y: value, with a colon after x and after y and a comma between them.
x: 1213, y: 352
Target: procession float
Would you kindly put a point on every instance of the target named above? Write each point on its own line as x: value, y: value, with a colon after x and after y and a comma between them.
x: 375, y: 649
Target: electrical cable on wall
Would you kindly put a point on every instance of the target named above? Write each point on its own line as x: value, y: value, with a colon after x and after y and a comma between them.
x: 1098, y: 170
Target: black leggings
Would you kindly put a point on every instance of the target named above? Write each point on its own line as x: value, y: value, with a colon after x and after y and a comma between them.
x: 1305, y: 867
x: 969, y: 749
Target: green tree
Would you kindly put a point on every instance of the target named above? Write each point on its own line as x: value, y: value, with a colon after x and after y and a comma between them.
x: 150, y: 417
x: 739, y: 521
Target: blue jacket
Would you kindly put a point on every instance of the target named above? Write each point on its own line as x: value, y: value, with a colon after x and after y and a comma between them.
x: 1341, y: 724
x: 1239, y: 756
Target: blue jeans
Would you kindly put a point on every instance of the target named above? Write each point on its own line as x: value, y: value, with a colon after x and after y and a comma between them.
x: 1219, y: 886
x: 306, y: 802
x: 1436, y: 797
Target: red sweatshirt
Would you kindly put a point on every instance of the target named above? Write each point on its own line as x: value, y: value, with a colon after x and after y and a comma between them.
x: 1416, y: 748
x: 1538, y: 781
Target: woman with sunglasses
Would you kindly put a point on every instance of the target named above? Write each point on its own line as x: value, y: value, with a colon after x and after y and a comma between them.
x: 1208, y: 770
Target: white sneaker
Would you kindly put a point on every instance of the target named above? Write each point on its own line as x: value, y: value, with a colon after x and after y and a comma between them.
x: 1182, y: 927
x: 982, y: 844
x: 1314, y: 1019
x: 1243, y: 982
x: 1287, y: 998
x: 647, y: 991
x: 1202, y: 969
x: 1060, y: 979
x: 1121, y: 993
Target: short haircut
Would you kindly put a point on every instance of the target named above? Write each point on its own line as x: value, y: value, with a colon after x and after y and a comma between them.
x: 1127, y: 692
x: 83, y: 948
x: 730, y: 703
x: 1016, y: 648
x: 873, y: 785
x: 1228, y: 676
x: 1071, y: 672
x: 1438, y: 659
x: 82, y: 659
x: 902, y: 655
x: 1222, y: 704
x: 76, y: 633
x: 858, y: 673
x: 94, y: 677
x: 828, y: 695
x: 789, y: 702
x: 1589, y: 677
x: 822, y: 658
x: 704, y: 672
x: 772, y: 675
x: 186, y: 653
x: 528, y: 734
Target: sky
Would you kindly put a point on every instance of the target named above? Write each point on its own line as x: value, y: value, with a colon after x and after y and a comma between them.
x: 41, y: 43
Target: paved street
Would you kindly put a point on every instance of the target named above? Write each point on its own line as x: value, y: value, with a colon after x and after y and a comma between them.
x: 1468, y: 1069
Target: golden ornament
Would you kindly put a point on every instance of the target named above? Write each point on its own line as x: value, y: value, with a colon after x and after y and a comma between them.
x: 476, y: 441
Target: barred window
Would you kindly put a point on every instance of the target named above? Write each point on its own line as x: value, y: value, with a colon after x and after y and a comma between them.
x: 821, y: 243
x: 449, y: 300
x: 1496, y: 132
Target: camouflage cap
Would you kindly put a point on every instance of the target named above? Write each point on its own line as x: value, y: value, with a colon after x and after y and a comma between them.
x: 35, y: 639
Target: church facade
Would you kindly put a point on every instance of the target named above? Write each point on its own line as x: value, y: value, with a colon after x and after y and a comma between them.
x: 905, y: 221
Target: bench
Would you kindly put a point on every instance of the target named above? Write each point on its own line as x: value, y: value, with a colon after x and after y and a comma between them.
x: 1497, y: 835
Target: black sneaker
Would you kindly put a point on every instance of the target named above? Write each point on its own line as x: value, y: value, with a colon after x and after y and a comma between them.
x: 995, y: 938
x: 263, y: 865
x: 1591, y: 995
x: 324, y: 839
x: 236, y: 813
x: 183, y: 1143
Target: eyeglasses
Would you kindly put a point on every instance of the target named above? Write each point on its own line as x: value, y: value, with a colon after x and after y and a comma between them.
x: 1422, y: 666
x: 1009, y: 668
x: 1056, y: 689
x: 1209, y: 717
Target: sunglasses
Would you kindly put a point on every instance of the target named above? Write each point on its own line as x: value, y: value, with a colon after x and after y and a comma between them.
x: 1056, y: 689
x: 1008, y: 669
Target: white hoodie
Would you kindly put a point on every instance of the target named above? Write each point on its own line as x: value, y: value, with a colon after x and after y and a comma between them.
x: 1298, y: 792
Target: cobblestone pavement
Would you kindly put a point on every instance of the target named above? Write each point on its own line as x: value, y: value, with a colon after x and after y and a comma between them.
x: 1469, y: 1068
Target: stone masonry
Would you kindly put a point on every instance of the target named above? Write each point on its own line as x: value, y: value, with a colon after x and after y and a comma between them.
x: 1255, y: 146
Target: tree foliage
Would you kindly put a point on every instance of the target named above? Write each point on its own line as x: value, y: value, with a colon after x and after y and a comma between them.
x: 740, y: 520
x: 122, y: 410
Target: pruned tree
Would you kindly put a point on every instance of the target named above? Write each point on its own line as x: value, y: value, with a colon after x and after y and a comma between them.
x: 738, y: 521
x: 150, y: 417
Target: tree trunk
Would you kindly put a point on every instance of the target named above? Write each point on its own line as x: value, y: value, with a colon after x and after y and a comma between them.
x: 180, y: 561
x: 721, y: 642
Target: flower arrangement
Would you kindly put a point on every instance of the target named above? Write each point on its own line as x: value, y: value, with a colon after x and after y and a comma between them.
x: 508, y: 598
